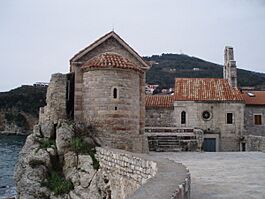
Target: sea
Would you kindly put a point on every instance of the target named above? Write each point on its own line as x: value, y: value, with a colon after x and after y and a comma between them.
x: 10, y: 146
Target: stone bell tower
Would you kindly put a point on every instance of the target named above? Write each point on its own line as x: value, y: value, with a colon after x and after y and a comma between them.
x: 230, y: 70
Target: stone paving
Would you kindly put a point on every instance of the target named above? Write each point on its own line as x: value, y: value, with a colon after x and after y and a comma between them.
x: 226, y: 175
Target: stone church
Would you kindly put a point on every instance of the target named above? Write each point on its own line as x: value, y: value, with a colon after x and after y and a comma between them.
x: 106, y: 88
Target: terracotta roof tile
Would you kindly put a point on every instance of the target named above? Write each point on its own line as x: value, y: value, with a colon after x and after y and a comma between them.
x: 205, y: 89
x: 110, y: 60
x: 256, y: 98
x: 159, y: 101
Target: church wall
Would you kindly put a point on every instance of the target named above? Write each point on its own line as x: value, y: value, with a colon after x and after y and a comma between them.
x: 118, y: 120
x: 251, y: 128
x: 229, y: 133
x: 110, y: 45
x: 159, y: 117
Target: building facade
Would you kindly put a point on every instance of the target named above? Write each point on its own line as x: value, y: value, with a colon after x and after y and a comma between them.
x: 106, y: 89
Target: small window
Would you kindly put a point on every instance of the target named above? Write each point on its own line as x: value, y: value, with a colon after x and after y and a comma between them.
x: 206, y: 115
x: 257, y: 120
x: 183, y: 117
x: 115, y: 93
x: 229, y: 118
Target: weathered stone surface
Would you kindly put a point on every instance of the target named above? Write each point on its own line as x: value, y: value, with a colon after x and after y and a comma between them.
x: 48, y: 130
x: 64, y: 135
x: 55, y: 98
x: 39, y: 157
x: 255, y: 143
x: 85, y: 163
x: 37, y: 130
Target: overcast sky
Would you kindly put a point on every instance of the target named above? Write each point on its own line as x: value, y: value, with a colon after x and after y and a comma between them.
x: 38, y: 37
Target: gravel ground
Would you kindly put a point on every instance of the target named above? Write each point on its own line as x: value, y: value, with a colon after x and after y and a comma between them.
x: 226, y: 175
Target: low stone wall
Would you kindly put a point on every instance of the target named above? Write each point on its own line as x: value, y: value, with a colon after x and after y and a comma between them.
x: 138, y: 176
x: 125, y: 171
x: 255, y: 143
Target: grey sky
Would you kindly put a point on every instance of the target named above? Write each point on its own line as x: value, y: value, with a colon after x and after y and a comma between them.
x: 38, y: 37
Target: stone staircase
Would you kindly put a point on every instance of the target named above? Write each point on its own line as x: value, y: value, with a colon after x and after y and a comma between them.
x: 171, y: 139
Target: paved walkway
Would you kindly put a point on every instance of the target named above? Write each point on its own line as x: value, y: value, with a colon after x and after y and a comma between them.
x: 224, y: 175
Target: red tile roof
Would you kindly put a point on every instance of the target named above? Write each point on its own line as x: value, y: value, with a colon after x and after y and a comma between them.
x: 254, y: 98
x: 205, y: 89
x: 110, y: 60
x: 159, y: 101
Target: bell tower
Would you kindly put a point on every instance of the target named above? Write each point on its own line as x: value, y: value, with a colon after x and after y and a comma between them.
x: 230, y: 70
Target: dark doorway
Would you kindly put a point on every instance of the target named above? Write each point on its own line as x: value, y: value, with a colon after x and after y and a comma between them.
x: 243, y: 146
x: 70, y: 90
x: 209, y: 144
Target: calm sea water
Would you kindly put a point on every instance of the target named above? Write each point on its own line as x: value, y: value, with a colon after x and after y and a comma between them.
x: 10, y: 145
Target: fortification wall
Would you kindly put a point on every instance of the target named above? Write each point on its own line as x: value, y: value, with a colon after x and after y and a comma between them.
x: 138, y: 176
x: 55, y: 99
x: 255, y: 143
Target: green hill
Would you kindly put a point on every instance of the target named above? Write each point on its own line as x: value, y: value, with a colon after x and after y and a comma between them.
x: 19, y: 108
x: 167, y: 67
x: 27, y: 99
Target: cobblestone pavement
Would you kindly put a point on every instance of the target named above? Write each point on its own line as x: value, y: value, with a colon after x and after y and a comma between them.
x: 226, y: 175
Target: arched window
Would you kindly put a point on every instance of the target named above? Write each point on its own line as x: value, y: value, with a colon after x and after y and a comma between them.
x: 115, y: 93
x: 183, y: 117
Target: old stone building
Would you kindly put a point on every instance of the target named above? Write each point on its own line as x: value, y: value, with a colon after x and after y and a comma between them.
x: 254, y: 112
x: 104, y: 89
x: 209, y: 104
x: 214, y: 107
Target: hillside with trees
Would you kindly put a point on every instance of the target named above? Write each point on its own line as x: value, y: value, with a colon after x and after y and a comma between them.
x: 19, y: 108
x: 166, y: 67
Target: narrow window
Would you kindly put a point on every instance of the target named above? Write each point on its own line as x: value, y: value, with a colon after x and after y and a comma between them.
x: 183, y: 117
x: 257, y: 119
x: 115, y: 93
x: 229, y: 118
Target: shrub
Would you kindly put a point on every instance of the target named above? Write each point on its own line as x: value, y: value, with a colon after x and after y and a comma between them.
x: 78, y: 145
x: 58, y: 184
x: 46, y: 143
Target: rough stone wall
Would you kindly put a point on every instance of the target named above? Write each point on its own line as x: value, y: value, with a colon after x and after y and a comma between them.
x: 55, y: 99
x: 118, y: 120
x: 255, y: 143
x: 159, y: 117
x: 138, y: 176
x: 250, y: 127
x: 110, y: 45
x: 125, y: 171
x: 229, y: 133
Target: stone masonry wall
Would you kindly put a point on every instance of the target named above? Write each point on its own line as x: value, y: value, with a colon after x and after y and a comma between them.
x: 118, y: 120
x: 229, y: 133
x: 136, y: 176
x: 159, y: 117
x: 251, y: 128
x: 55, y: 99
x: 110, y: 45
x: 255, y: 143
x: 125, y: 171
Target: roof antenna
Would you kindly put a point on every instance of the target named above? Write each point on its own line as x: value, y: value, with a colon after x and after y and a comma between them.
x: 112, y: 28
